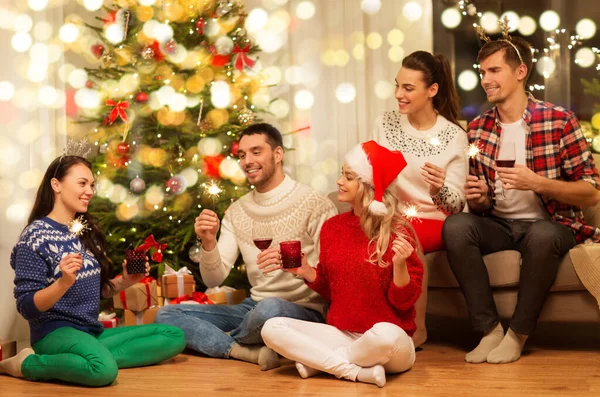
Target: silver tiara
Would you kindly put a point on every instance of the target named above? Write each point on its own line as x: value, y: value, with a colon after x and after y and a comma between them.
x: 77, y: 148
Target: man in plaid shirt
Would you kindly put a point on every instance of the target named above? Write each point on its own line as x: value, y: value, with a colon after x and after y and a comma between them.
x: 533, y: 207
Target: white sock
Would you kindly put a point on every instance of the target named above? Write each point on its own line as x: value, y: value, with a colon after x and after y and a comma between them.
x: 489, y: 342
x: 12, y: 366
x: 248, y: 353
x: 268, y: 358
x: 374, y: 375
x: 509, y: 349
x: 305, y: 371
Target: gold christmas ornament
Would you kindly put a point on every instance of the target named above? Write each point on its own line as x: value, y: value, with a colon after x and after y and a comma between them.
x: 148, y: 53
x: 108, y: 59
x: 205, y: 125
x: 246, y: 116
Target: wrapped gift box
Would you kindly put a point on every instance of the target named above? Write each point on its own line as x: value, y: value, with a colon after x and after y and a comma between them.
x: 109, y: 320
x: 161, y: 297
x: 175, y: 285
x: 226, y: 295
x: 8, y: 348
x: 138, y: 297
x: 140, y: 318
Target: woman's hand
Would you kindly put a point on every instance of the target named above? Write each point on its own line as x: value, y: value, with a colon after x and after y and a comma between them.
x: 402, y: 250
x: 130, y: 279
x: 69, y: 266
x: 434, y: 176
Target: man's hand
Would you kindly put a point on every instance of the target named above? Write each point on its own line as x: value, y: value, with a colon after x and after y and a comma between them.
x: 519, y: 178
x: 206, y: 227
x: 476, y: 190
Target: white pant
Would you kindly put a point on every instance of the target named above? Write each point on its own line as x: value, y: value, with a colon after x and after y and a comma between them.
x: 340, y: 353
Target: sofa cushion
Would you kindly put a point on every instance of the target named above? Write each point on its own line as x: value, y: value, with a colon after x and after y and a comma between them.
x: 503, y: 269
x: 568, y: 306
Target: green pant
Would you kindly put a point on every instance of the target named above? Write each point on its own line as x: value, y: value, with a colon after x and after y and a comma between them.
x: 74, y: 356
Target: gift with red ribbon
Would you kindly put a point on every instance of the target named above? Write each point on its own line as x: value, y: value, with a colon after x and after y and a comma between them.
x: 196, y: 298
x: 241, y: 57
x: 117, y: 111
x: 150, y: 243
x: 138, y: 297
x: 109, y: 320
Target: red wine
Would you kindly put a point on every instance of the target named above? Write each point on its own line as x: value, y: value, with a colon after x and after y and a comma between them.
x: 263, y: 244
x: 505, y: 163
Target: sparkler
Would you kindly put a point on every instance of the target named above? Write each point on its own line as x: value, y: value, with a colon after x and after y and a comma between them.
x: 214, y: 191
x: 411, y: 212
x: 78, y: 226
x: 473, y: 152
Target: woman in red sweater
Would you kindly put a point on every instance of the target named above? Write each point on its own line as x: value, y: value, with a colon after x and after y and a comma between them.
x: 368, y: 270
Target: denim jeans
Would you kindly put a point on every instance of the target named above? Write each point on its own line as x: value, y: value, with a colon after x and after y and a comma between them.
x: 214, y: 329
x: 541, y: 243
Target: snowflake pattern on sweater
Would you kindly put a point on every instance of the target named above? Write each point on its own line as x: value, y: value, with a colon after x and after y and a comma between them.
x: 36, y: 261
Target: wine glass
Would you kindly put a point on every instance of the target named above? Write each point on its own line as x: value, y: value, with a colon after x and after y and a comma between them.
x: 262, y: 236
x: 506, y: 158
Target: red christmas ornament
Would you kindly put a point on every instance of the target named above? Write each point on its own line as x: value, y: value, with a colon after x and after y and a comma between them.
x: 121, y: 162
x: 97, y: 50
x: 171, y: 47
x: 123, y: 148
x: 235, y: 146
x: 211, y: 165
x: 141, y: 97
x: 89, y: 84
x: 175, y: 185
x: 200, y: 26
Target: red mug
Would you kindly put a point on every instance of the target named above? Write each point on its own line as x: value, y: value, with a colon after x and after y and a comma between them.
x: 136, y: 261
x: 291, y: 254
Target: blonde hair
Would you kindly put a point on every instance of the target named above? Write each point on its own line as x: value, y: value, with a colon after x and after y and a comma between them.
x: 379, y: 228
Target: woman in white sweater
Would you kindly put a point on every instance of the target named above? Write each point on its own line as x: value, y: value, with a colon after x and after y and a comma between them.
x: 425, y: 129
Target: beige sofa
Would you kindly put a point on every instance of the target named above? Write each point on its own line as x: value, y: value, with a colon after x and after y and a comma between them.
x: 568, y: 301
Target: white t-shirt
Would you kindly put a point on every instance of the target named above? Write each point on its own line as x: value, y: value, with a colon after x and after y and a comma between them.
x: 444, y: 145
x: 518, y: 204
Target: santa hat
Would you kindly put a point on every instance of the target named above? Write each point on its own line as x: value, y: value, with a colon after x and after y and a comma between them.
x: 378, y: 167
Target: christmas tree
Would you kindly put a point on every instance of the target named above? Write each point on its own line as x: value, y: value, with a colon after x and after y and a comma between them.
x: 176, y: 81
x: 591, y: 129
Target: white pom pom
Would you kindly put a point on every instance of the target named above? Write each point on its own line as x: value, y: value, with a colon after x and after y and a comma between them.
x: 377, y: 208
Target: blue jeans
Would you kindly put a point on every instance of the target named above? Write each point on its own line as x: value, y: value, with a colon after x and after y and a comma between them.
x: 206, y: 326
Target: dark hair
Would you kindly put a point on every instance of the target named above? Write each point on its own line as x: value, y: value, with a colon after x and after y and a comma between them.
x: 273, y: 135
x: 93, y: 239
x: 510, y: 55
x: 437, y: 70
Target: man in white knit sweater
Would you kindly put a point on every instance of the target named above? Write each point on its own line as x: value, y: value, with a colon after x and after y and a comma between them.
x: 290, y: 211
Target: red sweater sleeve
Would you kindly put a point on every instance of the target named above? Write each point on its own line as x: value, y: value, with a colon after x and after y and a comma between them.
x: 403, y: 298
x: 321, y: 284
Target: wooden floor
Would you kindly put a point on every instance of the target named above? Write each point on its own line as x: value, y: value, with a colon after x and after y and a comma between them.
x: 439, y: 371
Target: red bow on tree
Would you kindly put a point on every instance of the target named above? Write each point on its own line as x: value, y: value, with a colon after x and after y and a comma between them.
x: 241, y: 57
x: 118, y: 110
x: 149, y: 243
